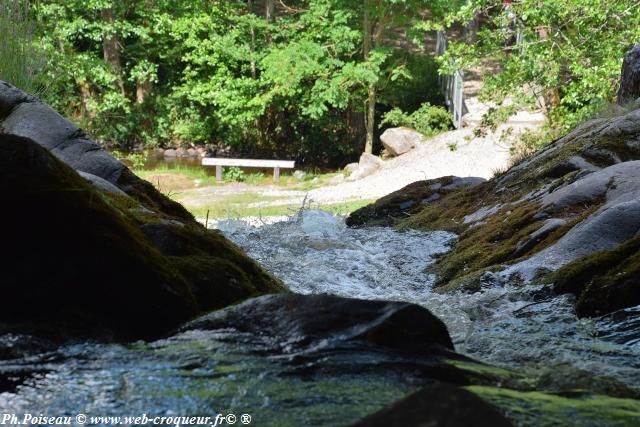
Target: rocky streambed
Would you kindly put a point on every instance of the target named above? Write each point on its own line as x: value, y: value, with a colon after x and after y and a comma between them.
x: 451, y: 302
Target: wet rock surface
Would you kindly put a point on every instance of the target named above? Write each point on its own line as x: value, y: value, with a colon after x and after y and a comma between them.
x: 438, y: 405
x: 296, y: 323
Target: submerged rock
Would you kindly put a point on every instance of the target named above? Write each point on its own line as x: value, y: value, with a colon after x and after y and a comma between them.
x: 315, y: 336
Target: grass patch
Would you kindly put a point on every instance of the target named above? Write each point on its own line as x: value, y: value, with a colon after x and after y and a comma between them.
x: 22, y: 63
x: 182, y: 177
x: 237, y: 206
x: 188, y: 171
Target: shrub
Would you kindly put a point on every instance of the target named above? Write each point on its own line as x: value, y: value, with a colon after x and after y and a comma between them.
x: 429, y: 119
x: 233, y: 174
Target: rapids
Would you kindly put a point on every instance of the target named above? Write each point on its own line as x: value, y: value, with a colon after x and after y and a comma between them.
x: 210, y: 372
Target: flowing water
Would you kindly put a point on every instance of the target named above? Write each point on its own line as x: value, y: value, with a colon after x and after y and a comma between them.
x: 510, y: 325
x: 210, y: 372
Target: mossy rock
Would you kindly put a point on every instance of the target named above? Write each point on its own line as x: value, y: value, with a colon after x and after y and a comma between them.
x: 24, y: 115
x: 79, y: 263
x: 604, y: 281
x: 502, y: 221
x: 540, y: 409
x: 407, y: 201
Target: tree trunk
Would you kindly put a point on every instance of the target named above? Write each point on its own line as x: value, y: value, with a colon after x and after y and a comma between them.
x: 111, y: 49
x: 551, y: 95
x: 269, y: 8
x: 370, y: 105
x: 87, y: 96
x: 370, y: 117
x: 143, y: 89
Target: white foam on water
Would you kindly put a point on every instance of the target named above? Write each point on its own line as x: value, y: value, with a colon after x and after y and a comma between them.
x: 504, y: 324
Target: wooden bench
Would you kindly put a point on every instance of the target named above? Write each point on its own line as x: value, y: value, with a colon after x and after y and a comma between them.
x: 248, y: 163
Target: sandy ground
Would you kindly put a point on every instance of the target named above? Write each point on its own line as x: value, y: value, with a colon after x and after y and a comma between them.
x: 455, y: 153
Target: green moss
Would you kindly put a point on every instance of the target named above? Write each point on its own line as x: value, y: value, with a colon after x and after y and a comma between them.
x: 550, y: 410
x: 493, y: 375
x: 491, y: 243
x: 567, y: 378
x: 604, y: 281
x: 219, y: 272
x: 488, y: 244
x: 218, y: 282
x: 448, y: 212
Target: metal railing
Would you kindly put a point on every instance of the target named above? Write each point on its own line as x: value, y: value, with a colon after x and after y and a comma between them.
x: 451, y: 85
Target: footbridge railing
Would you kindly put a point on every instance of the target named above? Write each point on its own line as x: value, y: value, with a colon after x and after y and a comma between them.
x: 451, y: 85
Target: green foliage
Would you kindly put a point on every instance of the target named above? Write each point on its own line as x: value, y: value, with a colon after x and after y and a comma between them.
x: 233, y: 174
x: 429, y: 120
x: 22, y: 62
x: 172, y: 72
x: 570, y: 57
x: 134, y: 160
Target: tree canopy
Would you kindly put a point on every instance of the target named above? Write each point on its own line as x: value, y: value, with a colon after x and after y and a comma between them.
x: 566, y: 58
x: 292, y: 79
x: 308, y: 79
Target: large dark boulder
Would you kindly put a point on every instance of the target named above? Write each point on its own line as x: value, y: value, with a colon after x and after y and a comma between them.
x: 294, y: 323
x: 78, y: 261
x: 630, y: 82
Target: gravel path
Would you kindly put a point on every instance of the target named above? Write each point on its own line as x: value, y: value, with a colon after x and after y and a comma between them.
x: 478, y: 157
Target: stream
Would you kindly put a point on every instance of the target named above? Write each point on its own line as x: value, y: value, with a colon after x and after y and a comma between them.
x: 210, y: 372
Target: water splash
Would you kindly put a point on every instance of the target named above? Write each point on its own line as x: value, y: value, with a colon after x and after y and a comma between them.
x: 504, y: 324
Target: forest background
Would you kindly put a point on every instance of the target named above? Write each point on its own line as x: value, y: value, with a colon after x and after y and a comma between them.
x: 311, y: 80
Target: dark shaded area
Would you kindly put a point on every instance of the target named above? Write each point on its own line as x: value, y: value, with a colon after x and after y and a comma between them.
x: 79, y: 265
x: 630, y: 82
x: 440, y: 405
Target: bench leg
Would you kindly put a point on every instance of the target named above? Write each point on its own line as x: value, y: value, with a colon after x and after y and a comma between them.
x: 218, y: 173
x: 276, y: 174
